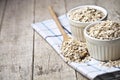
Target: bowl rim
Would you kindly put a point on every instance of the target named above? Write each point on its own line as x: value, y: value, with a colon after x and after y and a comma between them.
x: 95, y: 39
x: 92, y: 6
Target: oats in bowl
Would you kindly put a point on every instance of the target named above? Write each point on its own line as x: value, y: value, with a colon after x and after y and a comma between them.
x: 103, y: 40
x: 86, y: 14
x: 108, y: 30
x: 82, y: 16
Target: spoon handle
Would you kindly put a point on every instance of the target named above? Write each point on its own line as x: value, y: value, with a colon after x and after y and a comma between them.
x: 55, y: 18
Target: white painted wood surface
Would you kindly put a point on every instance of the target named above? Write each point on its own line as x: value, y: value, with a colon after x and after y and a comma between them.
x: 25, y: 55
x: 16, y: 41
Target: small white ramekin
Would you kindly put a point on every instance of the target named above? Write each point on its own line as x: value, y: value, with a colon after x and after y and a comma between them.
x: 77, y: 27
x: 103, y: 50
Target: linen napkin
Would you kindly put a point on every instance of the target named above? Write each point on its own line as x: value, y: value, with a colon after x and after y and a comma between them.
x: 90, y: 69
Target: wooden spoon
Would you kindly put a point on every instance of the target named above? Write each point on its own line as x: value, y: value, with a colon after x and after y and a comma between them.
x: 66, y: 38
x: 54, y: 16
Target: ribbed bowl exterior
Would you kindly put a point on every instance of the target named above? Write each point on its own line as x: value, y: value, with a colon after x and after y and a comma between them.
x: 77, y: 33
x: 104, y: 52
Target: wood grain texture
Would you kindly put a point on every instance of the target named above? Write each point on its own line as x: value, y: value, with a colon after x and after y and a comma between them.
x: 24, y: 55
x: 74, y: 3
x: 2, y: 6
x: 47, y: 64
x: 41, y: 11
x: 2, y: 11
x: 79, y: 76
x: 16, y: 41
x: 113, y: 8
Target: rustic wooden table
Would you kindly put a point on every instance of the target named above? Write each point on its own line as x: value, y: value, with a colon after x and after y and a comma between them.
x: 24, y: 55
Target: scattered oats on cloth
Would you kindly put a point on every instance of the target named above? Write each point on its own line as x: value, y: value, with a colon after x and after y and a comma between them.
x: 110, y: 63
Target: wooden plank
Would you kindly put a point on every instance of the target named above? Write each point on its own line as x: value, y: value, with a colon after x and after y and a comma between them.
x: 113, y: 8
x: 16, y: 41
x: 79, y: 76
x: 2, y: 10
x: 47, y: 64
x: 74, y: 3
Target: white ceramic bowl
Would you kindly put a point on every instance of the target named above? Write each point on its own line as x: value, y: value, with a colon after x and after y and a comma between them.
x: 77, y: 27
x: 103, y: 50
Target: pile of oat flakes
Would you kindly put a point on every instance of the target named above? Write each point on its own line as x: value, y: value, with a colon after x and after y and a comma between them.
x: 74, y: 50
